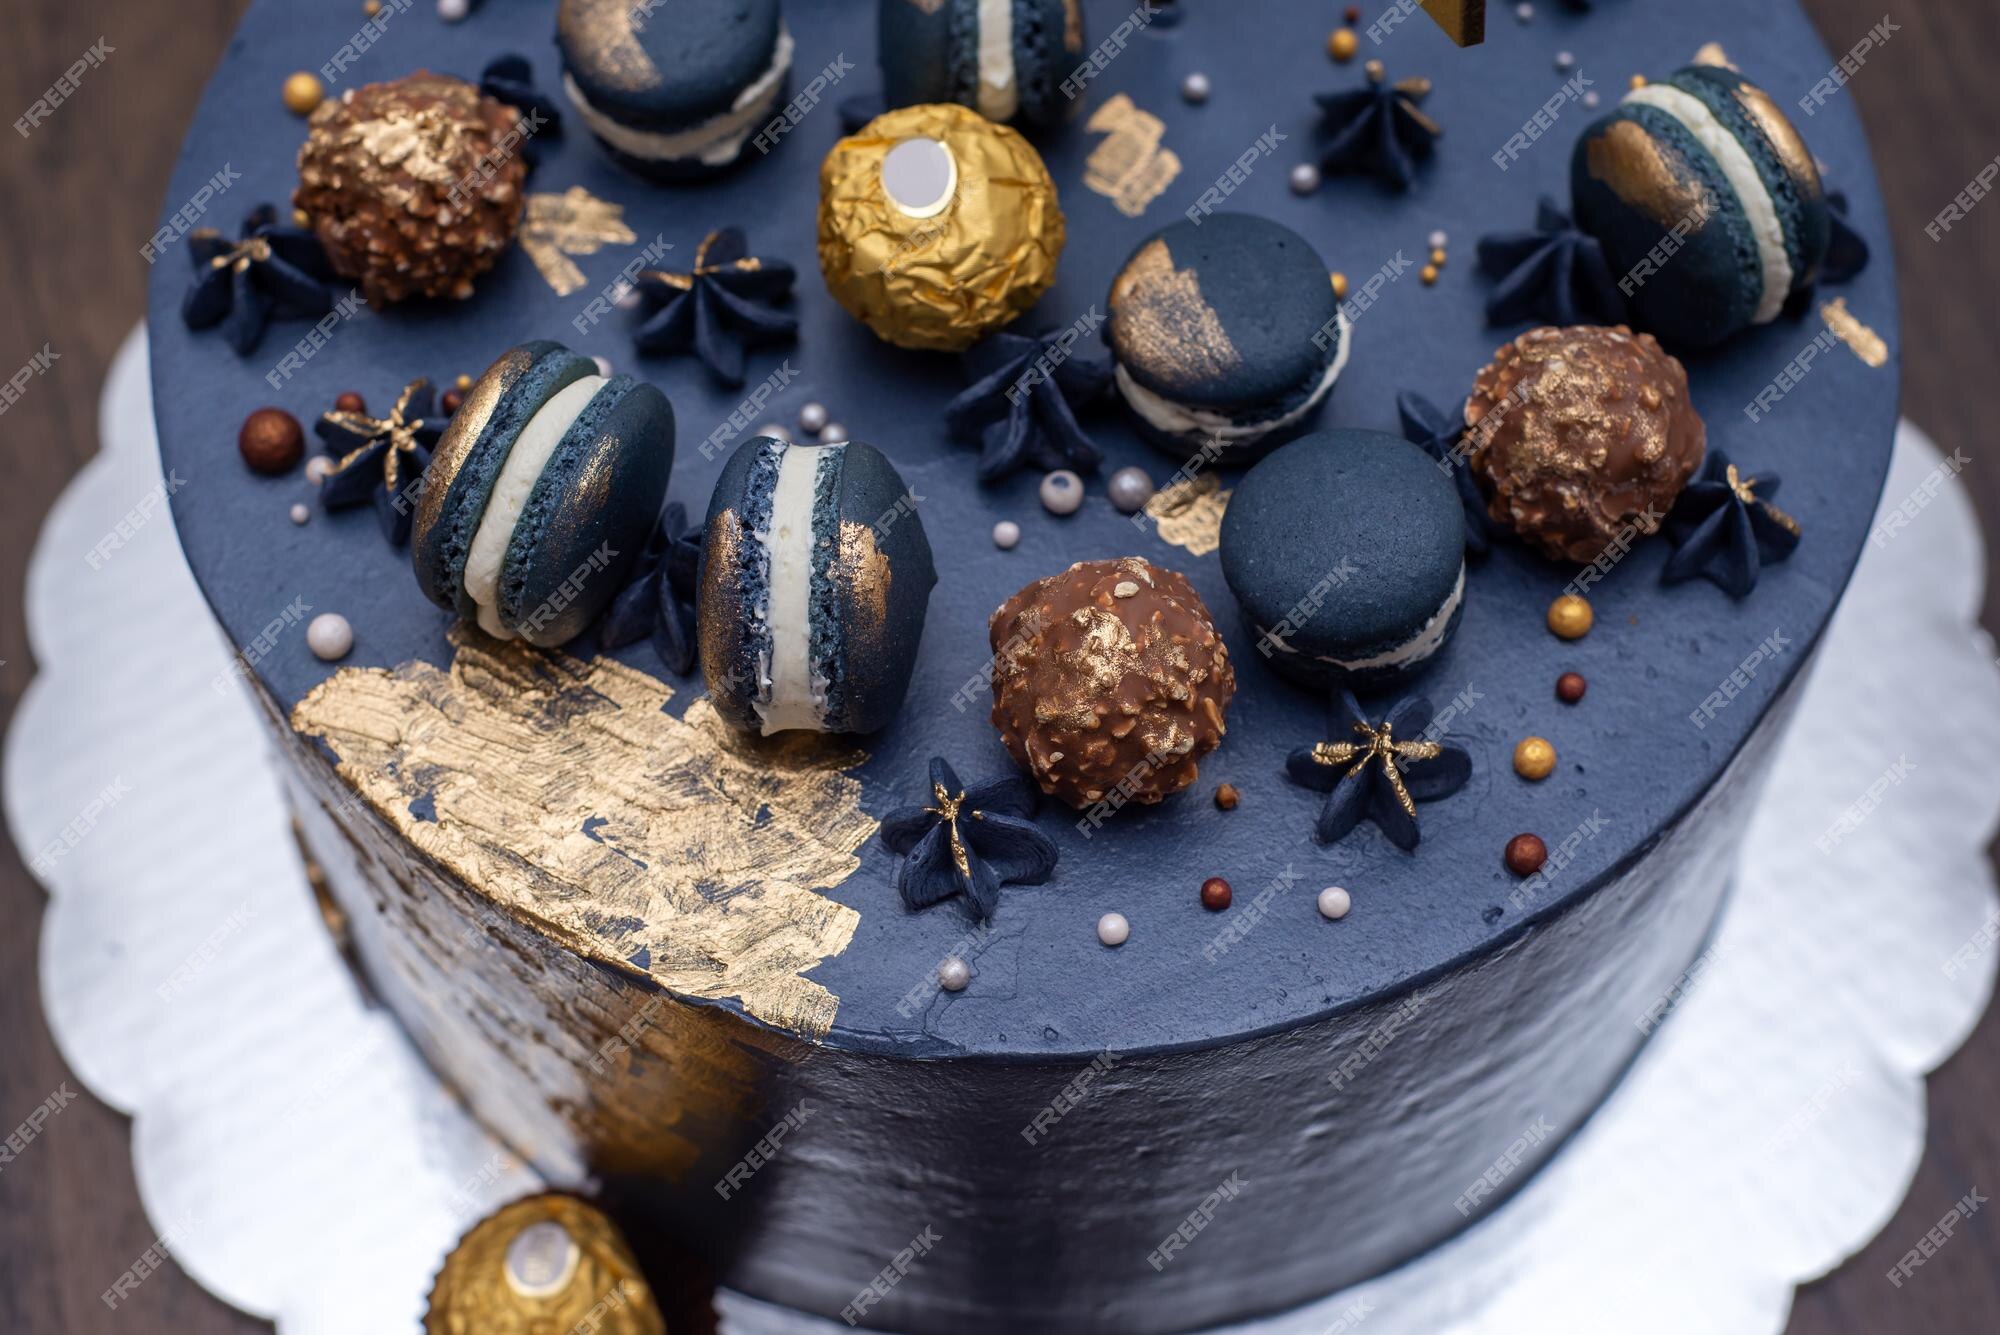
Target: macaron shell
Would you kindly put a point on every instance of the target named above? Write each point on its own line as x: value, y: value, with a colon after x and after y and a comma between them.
x: 1635, y: 176
x: 881, y: 575
x: 732, y: 581
x: 1353, y: 540
x: 1048, y: 46
x: 589, y: 515
x: 1783, y: 161
x: 680, y: 64
x: 913, y: 42
x: 469, y: 458
x: 1222, y: 315
x: 929, y: 52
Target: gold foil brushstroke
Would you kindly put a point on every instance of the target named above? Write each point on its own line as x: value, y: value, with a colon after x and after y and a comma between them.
x: 1464, y: 21
x: 1189, y: 513
x: 564, y: 792
x: 1161, y: 320
x: 585, y: 1278
x: 1864, y: 342
x: 575, y: 222
x: 1131, y: 168
x: 1631, y: 163
x: 605, y: 33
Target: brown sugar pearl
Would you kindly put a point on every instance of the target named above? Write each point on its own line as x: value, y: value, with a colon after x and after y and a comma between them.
x: 271, y: 441
x: 1525, y: 854
x: 350, y: 402
x: 1215, y: 894
x: 1570, y: 687
x: 1226, y: 796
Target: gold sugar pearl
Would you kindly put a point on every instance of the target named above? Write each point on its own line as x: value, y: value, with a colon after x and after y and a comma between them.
x: 300, y: 218
x: 1340, y: 285
x: 1570, y: 617
x: 1429, y: 274
x: 1437, y: 257
x: 1534, y: 758
x: 1638, y: 81
x: 1342, y: 44
x: 1376, y: 71
x: 371, y: 7
x: 302, y: 93
x: 463, y: 384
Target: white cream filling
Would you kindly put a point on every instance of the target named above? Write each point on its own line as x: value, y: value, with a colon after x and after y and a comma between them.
x: 1178, y: 420
x: 999, y: 96
x: 1427, y: 641
x: 1741, y: 172
x: 531, y: 453
x: 796, y: 695
x: 713, y: 142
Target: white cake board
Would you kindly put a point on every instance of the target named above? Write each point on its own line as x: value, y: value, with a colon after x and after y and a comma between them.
x: 288, y: 1139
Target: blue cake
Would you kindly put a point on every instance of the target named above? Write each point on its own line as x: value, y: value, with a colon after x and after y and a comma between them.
x: 665, y: 959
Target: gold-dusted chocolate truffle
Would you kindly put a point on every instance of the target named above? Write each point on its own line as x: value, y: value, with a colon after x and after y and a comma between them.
x: 1570, y: 616
x: 414, y: 186
x: 1534, y: 758
x: 546, y: 1263
x: 1581, y: 438
x: 937, y: 226
x: 1110, y: 682
x: 302, y: 92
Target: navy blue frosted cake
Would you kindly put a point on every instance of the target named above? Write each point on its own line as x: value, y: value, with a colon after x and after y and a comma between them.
x: 776, y: 1002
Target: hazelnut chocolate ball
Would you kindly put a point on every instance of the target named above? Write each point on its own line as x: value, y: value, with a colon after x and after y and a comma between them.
x: 1109, y: 682
x: 1581, y: 438
x: 271, y: 441
x: 415, y: 186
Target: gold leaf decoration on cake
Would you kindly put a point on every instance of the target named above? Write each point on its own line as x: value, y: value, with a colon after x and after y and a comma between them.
x: 571, y: 1272
x: 1189, y: 513
x: 1160, y: 319
x: 607, y: 33
x: 563, y: 791
x: 1464, y: 21
x: 1711, y: 53
x: 1863, y: 341
x: 1131, y: 167
x: 575, y: 222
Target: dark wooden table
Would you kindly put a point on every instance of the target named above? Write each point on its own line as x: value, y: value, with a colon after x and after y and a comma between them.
x: 79, y: 195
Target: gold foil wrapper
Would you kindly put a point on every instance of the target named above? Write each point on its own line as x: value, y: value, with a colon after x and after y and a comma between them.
x: 544, y: 1264
x: 945, y: 281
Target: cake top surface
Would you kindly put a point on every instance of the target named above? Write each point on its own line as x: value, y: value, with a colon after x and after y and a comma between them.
x: 792, y: 891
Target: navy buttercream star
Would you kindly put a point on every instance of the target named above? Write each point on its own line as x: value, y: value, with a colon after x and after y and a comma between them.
x: 382, y: 459
x: 1846, y: 249
x: 657, y: 603
x: 510, y: 79
x: 1019, y: 410
x: 269, y: 271
x: 968, y: 841
x: 719, y: 308
x: 1379, y: 771
x: 1725, y: 528
x: 1377, y: 128
x: 1556, y: 274
x: 1439, y: 435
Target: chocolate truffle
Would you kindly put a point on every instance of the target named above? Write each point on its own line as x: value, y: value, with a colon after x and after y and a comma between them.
x: 1581, y: 437
x: 1109, y: 681
x: 413, y: 186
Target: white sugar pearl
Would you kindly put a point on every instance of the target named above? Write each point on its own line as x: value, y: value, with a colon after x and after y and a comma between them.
x: 813, y: 418
x: 1006, y: 535
x: 1524, y: 11
x: 1062, y: 492
x: 603, y: 366
x: 775, y: 432
x: 1590, y: 98
x: 1334, y: 902
x: 301, y: 513
x: 451, y: 11
x: 1130, y: 489
x: 318, y: 467
x: 1196, y: 88
x: 1439, y: 240
x: 627, y: 298
x: 1305, y: 179
x: 329, y: 636
x: 1112, y: 929
x: 833, y: 433
x: 954, y: 974
x: 1565, y: 61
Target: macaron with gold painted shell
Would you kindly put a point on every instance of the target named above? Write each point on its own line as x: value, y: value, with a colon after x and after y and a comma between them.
x: 1226, y: 334
x: 542, y: 494
x: 1707, y: 203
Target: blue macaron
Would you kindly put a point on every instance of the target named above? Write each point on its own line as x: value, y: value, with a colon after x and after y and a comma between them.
x: 1346, y: 553
x: 674, y: 90
x: 1005, y: 59
x: 1226, y: 334
x: 542, y: 494
x: 815, y: 576
x: 1707, y: 202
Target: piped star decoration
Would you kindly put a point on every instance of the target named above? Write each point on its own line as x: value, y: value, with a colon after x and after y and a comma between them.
x: 1377, y: 128
x: 1019, y: 409
x: 510, y: 79
x: 1846, y: 249
x: 382, y: 459
x: 968, y: 841
x: 268, y: 271
x: 1439, y: 435
x: 1380, y: 771
x: 717, y: 309
x: 1725, y: 527
x: 1555, y: 274
x: 658, y: 601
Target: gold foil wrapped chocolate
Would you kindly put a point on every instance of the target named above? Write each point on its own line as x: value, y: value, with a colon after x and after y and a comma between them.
x: 547, y: 1263
x: 943, y: 267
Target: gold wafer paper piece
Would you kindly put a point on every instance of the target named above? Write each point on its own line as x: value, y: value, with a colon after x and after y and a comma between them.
x: 564, y: 792
x: 1189, y: 513
x: 1131, y: 168
x: 575, y: 222
x: 1863, y: 341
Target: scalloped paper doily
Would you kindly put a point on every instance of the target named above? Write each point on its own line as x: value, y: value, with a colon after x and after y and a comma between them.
x: 288, y: 1138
